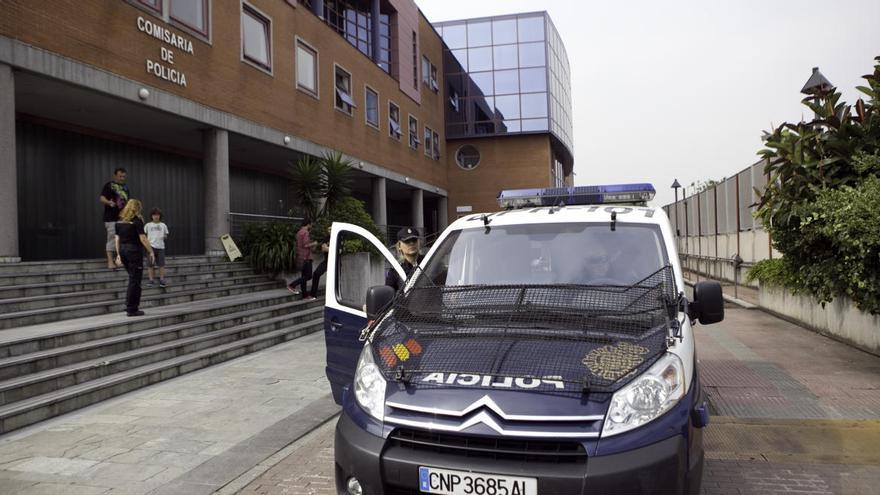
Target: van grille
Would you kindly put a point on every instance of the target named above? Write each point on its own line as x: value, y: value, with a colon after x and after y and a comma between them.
x: 547, y: 451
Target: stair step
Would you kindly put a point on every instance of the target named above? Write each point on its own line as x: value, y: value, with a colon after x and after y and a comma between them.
x: 71, y: 298
x: 117, y: 280
x: 41, y: 407
x: 24, y: 387
x: 172, y: 269
x: 36, y: 338
x: 36, y: 316
x: 66, y: 355
x: 88, y: 264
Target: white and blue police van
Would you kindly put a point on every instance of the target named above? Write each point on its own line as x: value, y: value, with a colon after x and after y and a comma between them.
x: 546, y: 348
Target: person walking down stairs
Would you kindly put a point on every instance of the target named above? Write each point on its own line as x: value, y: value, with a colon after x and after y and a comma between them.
x: 130, y: 244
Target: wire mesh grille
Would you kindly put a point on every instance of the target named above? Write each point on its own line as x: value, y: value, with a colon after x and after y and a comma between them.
x: 545, y: 337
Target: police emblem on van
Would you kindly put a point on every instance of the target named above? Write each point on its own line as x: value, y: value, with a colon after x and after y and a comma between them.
x: 612, y: 362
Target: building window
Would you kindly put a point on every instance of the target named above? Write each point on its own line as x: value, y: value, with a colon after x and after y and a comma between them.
x: 191, y: 13
x: 394, y: 121
x: 426, y: 71
x: 415, y: 59
x: 454, y: 101
x: 371, y: 104
x: 306, y: 68
x: 154, y: 5
x: 428, y: 141
x: 344, y: 101
x: 467, y: 157
x: 353, y: 20
x: 256, y: 33
x: 434, y: 86
x: 436, y: 145
x: 414, y: 133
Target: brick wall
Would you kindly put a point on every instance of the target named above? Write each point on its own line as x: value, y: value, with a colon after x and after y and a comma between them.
x: 510, y: 162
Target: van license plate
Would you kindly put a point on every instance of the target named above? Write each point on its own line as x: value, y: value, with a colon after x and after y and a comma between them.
x: 448, y: 482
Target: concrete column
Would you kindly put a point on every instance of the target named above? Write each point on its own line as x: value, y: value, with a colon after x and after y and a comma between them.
x: 418, y: 210
x: 380, y: 202
x: 375, y: 13
x: 215, y: 145
x: 318, y: 8
x: 9, y: 184
x: 442, y: 213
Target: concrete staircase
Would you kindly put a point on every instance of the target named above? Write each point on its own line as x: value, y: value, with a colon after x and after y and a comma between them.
x: 66, y: 342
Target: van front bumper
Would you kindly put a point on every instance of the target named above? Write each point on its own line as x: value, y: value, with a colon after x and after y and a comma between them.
x: 384, y: 468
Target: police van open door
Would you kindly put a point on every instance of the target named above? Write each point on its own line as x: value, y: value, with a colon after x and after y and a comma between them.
x: 356, y: 261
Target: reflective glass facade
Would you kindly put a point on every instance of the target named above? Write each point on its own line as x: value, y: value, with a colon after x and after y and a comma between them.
x: 506, y: 74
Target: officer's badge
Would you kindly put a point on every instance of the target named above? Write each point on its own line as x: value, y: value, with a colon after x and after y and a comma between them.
x: 612, y: 362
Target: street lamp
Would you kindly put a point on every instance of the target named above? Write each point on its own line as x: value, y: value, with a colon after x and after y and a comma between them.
x: 817, y: 86
x: 675, y: 186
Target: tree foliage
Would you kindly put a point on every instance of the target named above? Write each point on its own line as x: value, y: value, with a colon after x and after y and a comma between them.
x: 822, y: 201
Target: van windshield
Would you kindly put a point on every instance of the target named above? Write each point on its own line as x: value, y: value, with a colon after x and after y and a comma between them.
x: 548, y: 254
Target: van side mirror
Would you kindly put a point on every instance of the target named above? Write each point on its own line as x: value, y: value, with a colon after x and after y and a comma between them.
x: 378, y: 298
x: 708, y: 303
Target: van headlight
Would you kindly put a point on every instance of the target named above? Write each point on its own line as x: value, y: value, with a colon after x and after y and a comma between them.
x: 369, y: 385
x: 647, y: 397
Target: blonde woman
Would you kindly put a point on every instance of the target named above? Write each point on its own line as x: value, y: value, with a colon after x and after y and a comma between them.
x: 408, y: 248
x: 131, y: 241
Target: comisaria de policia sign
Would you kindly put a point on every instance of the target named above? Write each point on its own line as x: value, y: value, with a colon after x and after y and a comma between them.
x: 164, y: 67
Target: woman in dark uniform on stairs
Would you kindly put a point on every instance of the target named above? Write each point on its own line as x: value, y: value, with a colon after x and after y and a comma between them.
x: 131, y: 241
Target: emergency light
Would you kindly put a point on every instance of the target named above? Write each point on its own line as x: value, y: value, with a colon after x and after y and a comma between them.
x: 631, y: 194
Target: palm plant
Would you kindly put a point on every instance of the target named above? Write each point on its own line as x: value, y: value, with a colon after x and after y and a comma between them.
x: 307, y: 184
x: 335, y: 180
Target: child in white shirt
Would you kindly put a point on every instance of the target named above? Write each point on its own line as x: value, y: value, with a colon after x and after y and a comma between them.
x: 157, y: 232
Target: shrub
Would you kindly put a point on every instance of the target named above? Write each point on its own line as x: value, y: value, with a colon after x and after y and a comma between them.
x: 347, y: 210
x: 822, y: 202
x: 270, y: 247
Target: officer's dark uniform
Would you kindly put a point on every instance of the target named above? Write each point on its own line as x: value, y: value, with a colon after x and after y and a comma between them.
x: 391, y: 277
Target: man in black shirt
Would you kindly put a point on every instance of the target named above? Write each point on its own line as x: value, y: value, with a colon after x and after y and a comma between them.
x: 114, y: 195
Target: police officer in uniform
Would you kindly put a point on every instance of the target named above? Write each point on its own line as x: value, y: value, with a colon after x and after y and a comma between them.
x: 408, y: 249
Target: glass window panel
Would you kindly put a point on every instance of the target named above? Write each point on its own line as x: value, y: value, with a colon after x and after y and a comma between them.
x: 533, y: 80
x: 509, y: 126
x: 480, y: 59
x: 531, y: 28
x: 372, y: 106
x: 534, y: 105
x: 306, y: 75
x: 483, y: 108
x: 534, y: 125
x: 461, y: 57
x: 455, y: 36
x: 479, y: 34
x: 481, y: 128
x: 506, y: 82
x: 507, y: 106
x: 504, y: 31
x: 192, y: 13
x: 255, y: 38
x: 505, y: 57
x: 481, y: 84
x: 532, y: 55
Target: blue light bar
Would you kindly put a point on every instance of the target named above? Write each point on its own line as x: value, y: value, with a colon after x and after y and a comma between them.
x: 630, y: 194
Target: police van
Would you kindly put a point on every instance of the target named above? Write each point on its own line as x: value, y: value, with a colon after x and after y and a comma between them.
x: 547, y: 348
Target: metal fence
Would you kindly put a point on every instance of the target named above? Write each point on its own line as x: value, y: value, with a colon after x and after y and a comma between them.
x: 238, y: 222
x: 717, y: 231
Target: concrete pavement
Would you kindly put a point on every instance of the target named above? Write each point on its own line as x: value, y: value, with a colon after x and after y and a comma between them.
x: 190, y: 435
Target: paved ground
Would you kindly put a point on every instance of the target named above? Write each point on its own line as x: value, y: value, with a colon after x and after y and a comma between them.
x: 190, y: 435
x: 795, y: 412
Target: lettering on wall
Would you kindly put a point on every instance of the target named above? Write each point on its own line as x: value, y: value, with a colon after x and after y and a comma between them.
x: 164, y: 67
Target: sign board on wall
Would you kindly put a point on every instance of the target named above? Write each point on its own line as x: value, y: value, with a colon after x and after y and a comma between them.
x: 164, y: 68
x: 464, y: 209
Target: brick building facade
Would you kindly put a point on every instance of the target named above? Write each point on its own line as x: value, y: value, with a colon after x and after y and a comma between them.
x: 206, y: 103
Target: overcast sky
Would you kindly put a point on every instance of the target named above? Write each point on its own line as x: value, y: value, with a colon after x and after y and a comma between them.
x: 683, y: 88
